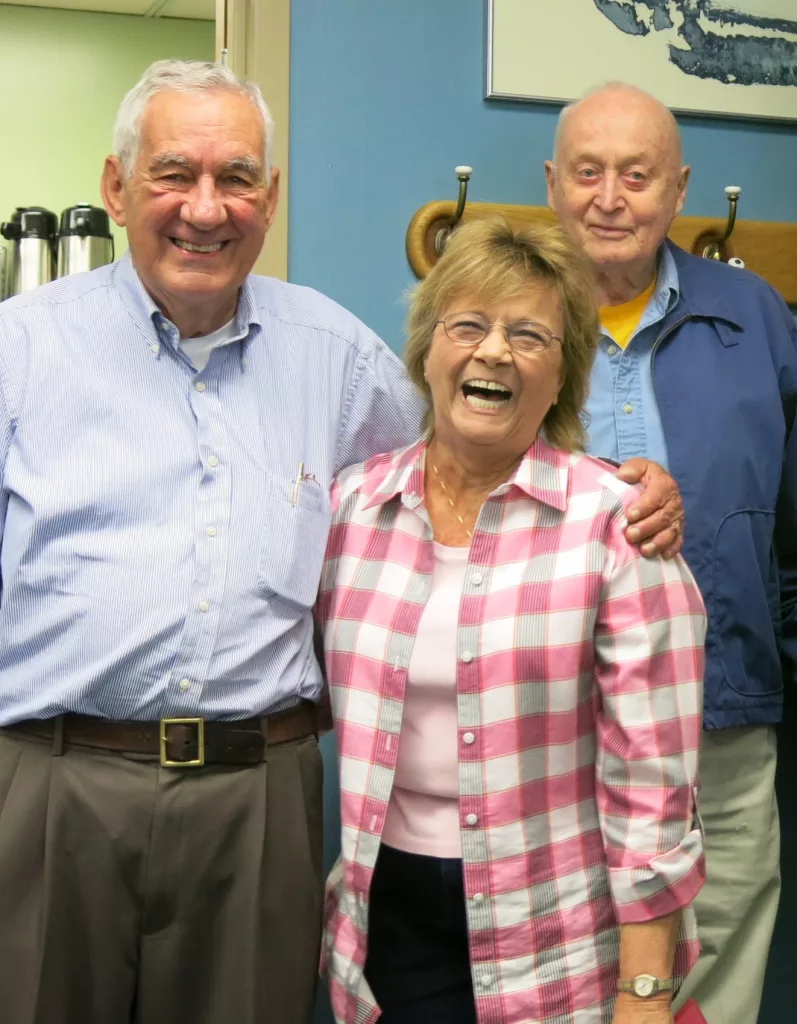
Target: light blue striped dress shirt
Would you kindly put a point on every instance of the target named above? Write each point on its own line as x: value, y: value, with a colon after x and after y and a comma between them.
x: 622, y: 412
x: 158, y: 556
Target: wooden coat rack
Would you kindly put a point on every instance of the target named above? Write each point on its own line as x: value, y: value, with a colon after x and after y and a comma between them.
x: 768, y: 248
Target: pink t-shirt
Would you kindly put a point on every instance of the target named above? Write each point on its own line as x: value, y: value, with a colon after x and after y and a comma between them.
x: 423, y: 813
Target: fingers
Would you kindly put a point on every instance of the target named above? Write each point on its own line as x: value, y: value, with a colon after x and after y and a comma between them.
x: 666, y: 542
x: 632, y: 470
x: 653, y: 521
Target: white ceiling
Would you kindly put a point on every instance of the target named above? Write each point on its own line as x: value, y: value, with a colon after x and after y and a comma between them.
x: 202, y: 9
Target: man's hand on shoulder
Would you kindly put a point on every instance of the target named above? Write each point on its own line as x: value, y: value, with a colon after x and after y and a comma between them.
x: 657, y: 518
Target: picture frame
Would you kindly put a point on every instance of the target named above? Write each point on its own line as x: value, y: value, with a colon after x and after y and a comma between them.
x: 728, y: 58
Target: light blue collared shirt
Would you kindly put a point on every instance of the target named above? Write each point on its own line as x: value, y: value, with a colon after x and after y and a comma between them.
x: 622, y: 412
x: 161, y: 549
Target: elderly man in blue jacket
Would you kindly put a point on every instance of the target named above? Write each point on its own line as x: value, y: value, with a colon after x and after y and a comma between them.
x: 697, y: 369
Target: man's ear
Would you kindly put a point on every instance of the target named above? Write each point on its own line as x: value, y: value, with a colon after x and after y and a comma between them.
x: 550, y: 179
x: 112, y: 186
x: 683, y: 184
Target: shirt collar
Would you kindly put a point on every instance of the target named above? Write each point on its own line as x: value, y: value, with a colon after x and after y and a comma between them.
x: 543, y: 474
x: 667, y: 291
x: 157, y: 327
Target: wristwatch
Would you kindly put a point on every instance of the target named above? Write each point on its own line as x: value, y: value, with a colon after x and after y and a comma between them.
x: 645, y: 985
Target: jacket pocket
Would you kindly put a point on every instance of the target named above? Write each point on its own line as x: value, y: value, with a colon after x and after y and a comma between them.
x: 743, y: 585
x: 292, y: 552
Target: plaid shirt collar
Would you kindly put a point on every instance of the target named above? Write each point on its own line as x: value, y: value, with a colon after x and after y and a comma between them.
x: 543, y: 474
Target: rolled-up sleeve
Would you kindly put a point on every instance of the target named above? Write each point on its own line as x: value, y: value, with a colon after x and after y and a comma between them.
x: 649, y: 637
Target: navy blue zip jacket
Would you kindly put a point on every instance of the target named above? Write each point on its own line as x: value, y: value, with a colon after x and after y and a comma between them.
x: 725, y: 377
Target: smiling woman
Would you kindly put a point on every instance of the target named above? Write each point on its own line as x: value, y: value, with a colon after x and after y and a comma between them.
x: 501, y: 691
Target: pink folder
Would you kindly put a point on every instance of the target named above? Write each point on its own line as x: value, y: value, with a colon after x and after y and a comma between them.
x: 690, y: 1014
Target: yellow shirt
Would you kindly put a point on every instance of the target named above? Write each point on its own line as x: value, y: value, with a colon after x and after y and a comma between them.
x: 622, y: 321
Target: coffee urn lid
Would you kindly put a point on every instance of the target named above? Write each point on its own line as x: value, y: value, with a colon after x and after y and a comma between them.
x: 31, y: 222
x: 84, y: 220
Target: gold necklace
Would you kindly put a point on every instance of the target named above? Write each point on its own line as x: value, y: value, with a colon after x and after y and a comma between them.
x: 450, y: 501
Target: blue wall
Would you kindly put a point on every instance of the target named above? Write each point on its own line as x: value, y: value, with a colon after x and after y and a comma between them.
x: 386, y: 98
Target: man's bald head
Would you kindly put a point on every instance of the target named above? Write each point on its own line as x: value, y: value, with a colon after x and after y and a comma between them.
x: 617, y: 181
x: 610, y: 97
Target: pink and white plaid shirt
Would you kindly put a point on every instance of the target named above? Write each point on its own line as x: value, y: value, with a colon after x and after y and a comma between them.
x: 579, y: 678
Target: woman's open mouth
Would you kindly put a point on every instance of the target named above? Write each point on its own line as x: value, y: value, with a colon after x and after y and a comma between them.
x: 485, y: 394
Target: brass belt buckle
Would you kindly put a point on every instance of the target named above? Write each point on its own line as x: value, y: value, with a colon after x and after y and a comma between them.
x: 196, y: 762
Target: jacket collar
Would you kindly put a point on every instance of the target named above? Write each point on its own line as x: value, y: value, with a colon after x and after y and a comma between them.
x: 543, y: 474
x: 705, y: 289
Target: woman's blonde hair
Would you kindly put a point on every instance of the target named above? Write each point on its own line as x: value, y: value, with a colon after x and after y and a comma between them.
x: 491, y: 261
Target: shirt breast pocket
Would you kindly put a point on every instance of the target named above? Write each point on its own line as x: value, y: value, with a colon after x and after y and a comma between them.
x: 292, y: 551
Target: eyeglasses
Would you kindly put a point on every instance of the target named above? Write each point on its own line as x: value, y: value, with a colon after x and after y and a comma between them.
x: 524, y: 336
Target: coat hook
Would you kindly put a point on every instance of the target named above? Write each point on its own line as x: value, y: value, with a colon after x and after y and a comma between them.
x: 713, y: 250
x: 463, y: 174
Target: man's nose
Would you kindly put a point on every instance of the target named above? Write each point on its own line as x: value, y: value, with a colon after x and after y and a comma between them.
x: 609, y: 196
x: 203, y: 207
x: 494, y: 347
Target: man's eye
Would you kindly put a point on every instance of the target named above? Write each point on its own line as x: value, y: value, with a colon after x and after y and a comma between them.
x: 174, y: 177
x: 237, y: 182
x: 589, y: 173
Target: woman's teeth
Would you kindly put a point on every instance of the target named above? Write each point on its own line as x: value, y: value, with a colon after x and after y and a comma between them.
x: 485, y: 394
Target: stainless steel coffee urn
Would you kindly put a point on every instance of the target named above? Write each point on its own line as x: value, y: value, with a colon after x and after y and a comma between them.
x: 85, y: 240
x: 32, y: 232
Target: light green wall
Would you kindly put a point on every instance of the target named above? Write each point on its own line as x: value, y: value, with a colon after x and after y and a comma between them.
x: 64, y: 74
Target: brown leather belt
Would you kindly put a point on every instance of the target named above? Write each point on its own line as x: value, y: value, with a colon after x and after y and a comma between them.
x: 178, y: 742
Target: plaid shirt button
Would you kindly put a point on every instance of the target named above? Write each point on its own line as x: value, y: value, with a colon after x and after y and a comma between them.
x: 469, y: 738
x: 467, y: 657
x: 471, y: 820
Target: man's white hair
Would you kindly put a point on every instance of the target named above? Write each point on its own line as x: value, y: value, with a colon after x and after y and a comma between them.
x: 196, y: 76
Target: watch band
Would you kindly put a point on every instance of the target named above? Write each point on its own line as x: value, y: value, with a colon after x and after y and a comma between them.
x: 645, y: 985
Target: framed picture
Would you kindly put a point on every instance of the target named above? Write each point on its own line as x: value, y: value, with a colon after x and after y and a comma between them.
x: 729, y: 57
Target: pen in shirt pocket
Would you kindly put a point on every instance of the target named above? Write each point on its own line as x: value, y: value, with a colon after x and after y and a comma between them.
x: 297, y: 483
x: 302, y: 478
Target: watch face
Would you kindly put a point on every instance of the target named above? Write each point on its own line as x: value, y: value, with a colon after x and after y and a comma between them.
x: 644, y: 985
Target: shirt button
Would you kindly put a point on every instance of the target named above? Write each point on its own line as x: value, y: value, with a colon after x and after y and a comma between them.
x: 471, y: 819
x: 211, y: 531
x: 478, y: 897
x: 469, y: 738
x: 467, y: 657
x: 155, y: 349
x: 213, y: 461
x: 486, y: 980
x: 612, y: 350
x: 628, y: 407
x: 204, y: 606
x: 200, y: 385
x: 185, y: 684
x: 477, y: 579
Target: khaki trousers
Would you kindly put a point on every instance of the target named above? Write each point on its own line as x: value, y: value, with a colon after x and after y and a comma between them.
x: 736, y: 908
x: 135, y: 894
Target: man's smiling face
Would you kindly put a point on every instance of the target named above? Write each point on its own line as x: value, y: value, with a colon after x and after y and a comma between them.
x: 197, y: 205
x: 617, y: 182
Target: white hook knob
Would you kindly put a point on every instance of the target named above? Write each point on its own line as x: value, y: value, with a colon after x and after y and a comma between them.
x: 734, y: 261
x: 463, y: 171
x: 732, y: 190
